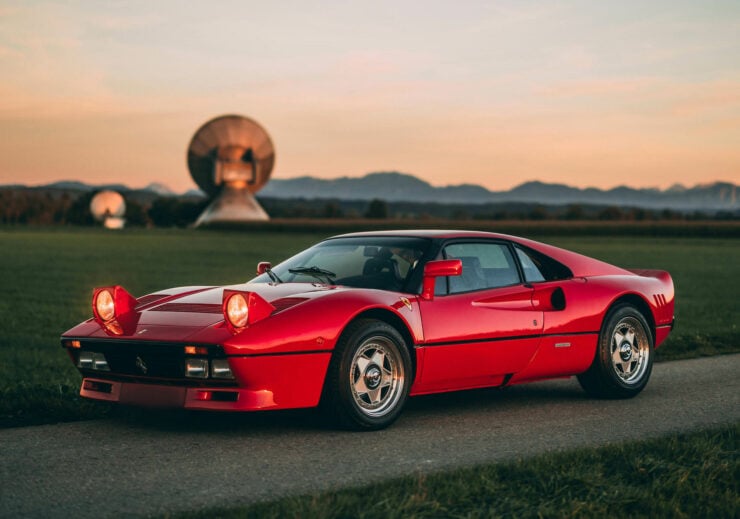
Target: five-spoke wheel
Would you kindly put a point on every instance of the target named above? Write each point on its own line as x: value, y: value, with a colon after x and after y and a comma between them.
x: 624, y: 358
x: 630, y: 350
x: 377, y: 376
x: 369, y: 376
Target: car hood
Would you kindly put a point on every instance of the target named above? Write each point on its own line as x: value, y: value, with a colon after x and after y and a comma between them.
x: 201, y: 306
x: 194, y: 314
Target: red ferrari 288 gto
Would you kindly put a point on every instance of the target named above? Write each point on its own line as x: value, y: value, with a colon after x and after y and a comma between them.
x: 358, y: 323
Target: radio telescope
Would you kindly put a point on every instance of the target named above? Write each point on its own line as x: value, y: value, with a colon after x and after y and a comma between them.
x: 108, y: 207
x: 231, y: 158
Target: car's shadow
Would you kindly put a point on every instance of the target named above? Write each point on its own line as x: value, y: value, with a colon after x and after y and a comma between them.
x: 418, y: 409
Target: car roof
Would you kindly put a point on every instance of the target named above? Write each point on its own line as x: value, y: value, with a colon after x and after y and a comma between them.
x: 428, y: 233
x: 580, y: 265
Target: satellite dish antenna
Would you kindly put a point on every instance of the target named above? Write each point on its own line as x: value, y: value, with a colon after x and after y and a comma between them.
x: 109, y: 207
x: 231, y: 158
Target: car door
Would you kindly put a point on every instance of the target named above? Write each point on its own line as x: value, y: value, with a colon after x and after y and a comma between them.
x: 481, y: 326
x: 571, y: 317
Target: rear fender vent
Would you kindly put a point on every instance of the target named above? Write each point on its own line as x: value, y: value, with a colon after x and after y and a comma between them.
x: 663, y: 312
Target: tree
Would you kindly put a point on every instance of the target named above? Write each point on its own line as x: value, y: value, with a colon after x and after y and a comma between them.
x: 611, y: 213
x: 79, y: 212
x: 135, y: 214
x: 377, y: 209
x: 332, y: 210
x: 574, y: 212
x: 538, y: 213
x: 460, y: 214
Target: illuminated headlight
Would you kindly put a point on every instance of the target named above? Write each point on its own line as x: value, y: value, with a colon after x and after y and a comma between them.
x: 105, y: 305
x: 220, y: 369
x: 92, y: 360
x: 237, y: 310
x: 196, y: 368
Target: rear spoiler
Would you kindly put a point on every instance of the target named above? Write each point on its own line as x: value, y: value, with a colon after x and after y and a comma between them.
x: 652, y: 273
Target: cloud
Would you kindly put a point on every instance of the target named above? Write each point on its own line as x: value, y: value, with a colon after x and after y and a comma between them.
x: 652, y: 97
x: 122, y: 22
x: 599, y: 87
x: 7, y: 52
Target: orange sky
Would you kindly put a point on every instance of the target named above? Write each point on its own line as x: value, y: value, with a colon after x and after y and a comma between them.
x: 495, y: 93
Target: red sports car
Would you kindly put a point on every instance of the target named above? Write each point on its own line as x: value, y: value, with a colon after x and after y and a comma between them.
x: 359, y: 322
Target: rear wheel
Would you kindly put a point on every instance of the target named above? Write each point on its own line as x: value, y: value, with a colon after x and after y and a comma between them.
x: 369, y: 376
x: 624, y: 359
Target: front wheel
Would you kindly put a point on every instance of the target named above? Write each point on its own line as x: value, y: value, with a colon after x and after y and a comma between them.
x: 624, y: 359
x: 369, y: 376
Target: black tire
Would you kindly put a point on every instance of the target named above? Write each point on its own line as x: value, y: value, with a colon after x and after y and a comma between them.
x: 624, y: 356
x: 369, y: 377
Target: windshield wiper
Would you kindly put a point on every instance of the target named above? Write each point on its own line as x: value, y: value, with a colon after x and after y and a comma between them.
x: 316, y: 272
x: 274, y: 277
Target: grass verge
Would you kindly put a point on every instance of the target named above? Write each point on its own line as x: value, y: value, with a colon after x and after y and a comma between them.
x: 682, y: 475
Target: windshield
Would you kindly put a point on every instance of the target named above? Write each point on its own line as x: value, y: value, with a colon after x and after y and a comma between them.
x: 385, y: 263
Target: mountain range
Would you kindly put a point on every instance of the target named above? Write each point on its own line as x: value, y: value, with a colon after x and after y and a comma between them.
x: 399, y: 187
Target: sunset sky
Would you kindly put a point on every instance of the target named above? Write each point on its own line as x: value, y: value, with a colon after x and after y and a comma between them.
x: 496, y: 93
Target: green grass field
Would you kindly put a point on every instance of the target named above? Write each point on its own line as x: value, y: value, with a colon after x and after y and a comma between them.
x: 47, y: 275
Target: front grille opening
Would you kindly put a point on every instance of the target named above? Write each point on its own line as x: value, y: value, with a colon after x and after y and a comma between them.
x: 149, y: 362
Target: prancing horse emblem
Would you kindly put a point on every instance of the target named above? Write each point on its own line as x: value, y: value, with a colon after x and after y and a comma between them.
x: 140, y: 365
x: 407, y: 303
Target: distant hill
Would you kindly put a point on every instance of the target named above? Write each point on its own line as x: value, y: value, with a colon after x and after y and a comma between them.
x: 73, y: 185
x: 144, y: 195
x: 393, y: 187
x: 399, y: 187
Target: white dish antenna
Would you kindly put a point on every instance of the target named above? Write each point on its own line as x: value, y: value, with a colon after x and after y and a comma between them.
x: 230, y: 158
x: 109, y: 207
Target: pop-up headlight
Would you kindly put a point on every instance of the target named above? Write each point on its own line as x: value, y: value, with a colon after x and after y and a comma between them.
x: 104, y: 305
x: 237, y: 311
x: 244, y: 308
x: 109, y: 305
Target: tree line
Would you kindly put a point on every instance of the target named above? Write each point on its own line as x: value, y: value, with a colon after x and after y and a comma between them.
x: 30, y: 206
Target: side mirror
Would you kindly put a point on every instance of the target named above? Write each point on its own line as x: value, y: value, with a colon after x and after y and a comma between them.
x: 435, y: 269
x: 263, y: 266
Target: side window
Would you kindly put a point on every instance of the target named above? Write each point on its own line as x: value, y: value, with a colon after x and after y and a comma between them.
x: 538, y: 267
x: 531, y: 272
x: 440, y: 286
x: 484, y: 265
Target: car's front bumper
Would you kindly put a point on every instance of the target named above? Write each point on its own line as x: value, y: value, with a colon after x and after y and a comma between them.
x: 262, y: 382
x: 155, y: 395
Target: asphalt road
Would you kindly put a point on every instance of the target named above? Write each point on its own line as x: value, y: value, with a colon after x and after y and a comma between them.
x: 147, y: 463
